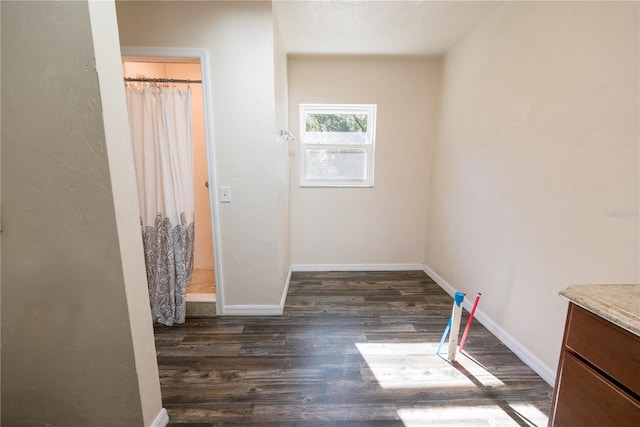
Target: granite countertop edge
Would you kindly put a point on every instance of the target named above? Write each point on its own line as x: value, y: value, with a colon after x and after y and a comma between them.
x: 619, y: 304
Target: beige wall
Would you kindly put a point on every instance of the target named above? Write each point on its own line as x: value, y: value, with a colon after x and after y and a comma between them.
x: 239, y: 37
x: 147, y: 69
x: 535, y: 174
x: 282, y: 146
x: 385, y: 224
x: 104, y: 29
x: 76, y: 331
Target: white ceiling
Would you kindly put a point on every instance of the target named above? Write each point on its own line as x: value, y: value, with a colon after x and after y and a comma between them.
x: 377, y: 27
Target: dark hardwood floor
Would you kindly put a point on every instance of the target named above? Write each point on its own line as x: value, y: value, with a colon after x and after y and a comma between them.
x: 351, y: 349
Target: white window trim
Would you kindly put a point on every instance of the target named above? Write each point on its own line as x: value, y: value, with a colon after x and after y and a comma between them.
x: 369, y: 146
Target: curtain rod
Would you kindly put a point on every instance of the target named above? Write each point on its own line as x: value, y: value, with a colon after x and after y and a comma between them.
x: 156, y: 80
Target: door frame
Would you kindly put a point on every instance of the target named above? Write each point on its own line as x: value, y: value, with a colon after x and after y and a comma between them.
x: 174, y: 54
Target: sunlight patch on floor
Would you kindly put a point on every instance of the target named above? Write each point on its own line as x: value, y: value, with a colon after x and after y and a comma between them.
x: 472, y: 416
x: 415, y: 365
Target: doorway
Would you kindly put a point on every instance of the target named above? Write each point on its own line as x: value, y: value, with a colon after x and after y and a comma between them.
x: 204, y: 292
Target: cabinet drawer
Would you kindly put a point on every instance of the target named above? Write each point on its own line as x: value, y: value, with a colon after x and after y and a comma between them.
x: 585, y: 399
x: 611, y: 349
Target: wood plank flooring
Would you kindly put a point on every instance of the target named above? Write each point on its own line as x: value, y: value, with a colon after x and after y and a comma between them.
x: 352, y: 349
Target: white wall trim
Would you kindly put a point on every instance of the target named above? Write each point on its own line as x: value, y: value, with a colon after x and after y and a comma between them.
x: 162, y: 419
x: 252, y: 310
x: 283, y: 300
x: 545, y: 372
x: 357, y: 267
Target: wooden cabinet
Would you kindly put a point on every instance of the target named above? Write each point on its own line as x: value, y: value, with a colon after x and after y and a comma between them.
x: 598, y: 381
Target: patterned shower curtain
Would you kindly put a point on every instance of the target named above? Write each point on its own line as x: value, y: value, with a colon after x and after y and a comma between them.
x: 160, y: 123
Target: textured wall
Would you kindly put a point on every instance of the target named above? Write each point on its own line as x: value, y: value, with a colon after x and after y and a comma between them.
x: 535, y: 174
x: 386, y: 223
x: 282, y: 146
x: 104, y: 30
x: 239, y: 37
x: 77, y: 342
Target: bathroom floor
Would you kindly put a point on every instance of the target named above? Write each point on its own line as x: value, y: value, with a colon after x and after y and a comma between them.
x: 203, y: 281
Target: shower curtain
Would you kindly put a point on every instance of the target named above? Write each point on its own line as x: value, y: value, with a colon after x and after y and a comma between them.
x: 160, y: 124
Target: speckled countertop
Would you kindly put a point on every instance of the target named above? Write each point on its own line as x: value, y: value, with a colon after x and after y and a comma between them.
x: 620, y: 304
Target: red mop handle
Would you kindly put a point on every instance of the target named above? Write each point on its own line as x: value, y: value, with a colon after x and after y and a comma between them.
x: 466, y: 329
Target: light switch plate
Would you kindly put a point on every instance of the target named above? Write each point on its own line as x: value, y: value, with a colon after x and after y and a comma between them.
x: 225, y: 194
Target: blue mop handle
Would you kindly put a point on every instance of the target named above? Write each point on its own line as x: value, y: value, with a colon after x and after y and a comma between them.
x: 446, y: 331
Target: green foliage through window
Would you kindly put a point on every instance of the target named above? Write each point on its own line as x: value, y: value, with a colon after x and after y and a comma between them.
x: 336, y: 123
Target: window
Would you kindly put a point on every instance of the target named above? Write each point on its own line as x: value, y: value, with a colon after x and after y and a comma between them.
x: 337, y: 145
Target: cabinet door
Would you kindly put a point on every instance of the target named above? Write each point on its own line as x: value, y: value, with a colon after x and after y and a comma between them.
x: 586, y: 399
x: 607, y: 347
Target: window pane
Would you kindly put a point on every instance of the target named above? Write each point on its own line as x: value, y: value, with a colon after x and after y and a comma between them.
x: 336, y: 128
x: 336, y: 164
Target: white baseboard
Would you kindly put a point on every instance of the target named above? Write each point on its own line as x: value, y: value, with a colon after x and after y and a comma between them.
x: 545, y: 372
x: 283, y: 300
x: 161, y: 420
x: 252, y: 310
x: 357, y: 267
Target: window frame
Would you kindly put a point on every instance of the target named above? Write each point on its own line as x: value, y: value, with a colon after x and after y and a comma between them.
x: 368, y: 147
